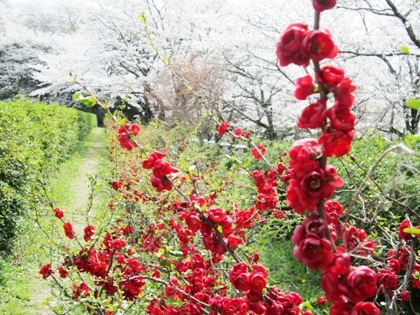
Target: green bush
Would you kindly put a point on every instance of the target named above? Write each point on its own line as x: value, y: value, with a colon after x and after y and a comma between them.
x: 35, y: 138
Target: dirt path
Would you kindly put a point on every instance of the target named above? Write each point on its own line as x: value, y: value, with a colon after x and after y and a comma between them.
x: 76, y: 209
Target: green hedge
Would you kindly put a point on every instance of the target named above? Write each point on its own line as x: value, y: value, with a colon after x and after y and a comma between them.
x: 34, y: 139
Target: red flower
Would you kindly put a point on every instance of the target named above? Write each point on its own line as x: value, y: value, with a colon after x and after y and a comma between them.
x: 322, y: 5
x: 280, y: 168
x: 124, y: 135
x: 341, y: 263
x: 68, y: 230
x: 116, y: 185
x: 257, y: 281
x: 63, y: 272
x: 308, y: 183
x: 333, y: 209
x: 405, y: 236
x: 88, y: 232
x: 405, y: 296
x: 362, y: 282
x: 394, y: 265
x: 318, y: 45
x: 239, y: 276
x: 304, y: 193
x: 234, y: 241
x: 258, y: 155
x: 58, y: 213
x: 341, y: 118
x: 83, y: 289
x: 336, y: 143
x: 330, y: 76
x: 150, y: 162
x: 238, y: 132
x: 304, y: 87
x: 315, y: 252
x: 321, y: 300
x: 343, y: 92
x: 365, y: 308
x: 415, y: 276
x: 289, y: 48
x: 46, y: 271
x: 222, y: 128
x: 161, y: 183
x: 313, y: 116
x: 133, y: 129
x: 388, y: 279
x: 162, y: 168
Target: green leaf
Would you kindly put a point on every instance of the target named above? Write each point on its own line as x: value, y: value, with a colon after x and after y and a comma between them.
x: 175, y: 252
x: 122, y: 121
x: 405, y: 49
x: 308, y: 305
x: 411, y: 140
x: 413, y: 103
x: 76, y: 96
x: 412, y: 230
x: 88, y: 101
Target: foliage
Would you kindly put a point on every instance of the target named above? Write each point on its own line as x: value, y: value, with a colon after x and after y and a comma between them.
x: 21, y: 290
x: 35, y: 138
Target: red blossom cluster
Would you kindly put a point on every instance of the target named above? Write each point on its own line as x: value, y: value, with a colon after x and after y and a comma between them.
x: 237, y: 132
x: 125, y: 134
x: 258, y: 151
x: 223, y: 128
x: 308, y: 182
x: 252, y: 282
x: 161, y: 169
x: 46, y: 271
x: 59, y: 214
x: 68, y: 230
x: 298, y: 45
x: 311, y: 181
x: 266, y: 187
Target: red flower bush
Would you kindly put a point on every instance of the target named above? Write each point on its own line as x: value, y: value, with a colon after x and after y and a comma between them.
x: 187, y: 251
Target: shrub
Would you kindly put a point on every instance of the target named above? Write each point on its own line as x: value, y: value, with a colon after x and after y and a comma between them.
x: 35, y: 138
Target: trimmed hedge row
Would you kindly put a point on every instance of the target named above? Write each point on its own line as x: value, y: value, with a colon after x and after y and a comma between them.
x: 34, y: 138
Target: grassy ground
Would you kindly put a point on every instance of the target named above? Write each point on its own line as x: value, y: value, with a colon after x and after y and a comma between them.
x: 287, y: 272
x: 22, y: 290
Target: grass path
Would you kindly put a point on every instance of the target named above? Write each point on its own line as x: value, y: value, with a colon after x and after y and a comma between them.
x: 24, y: 292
